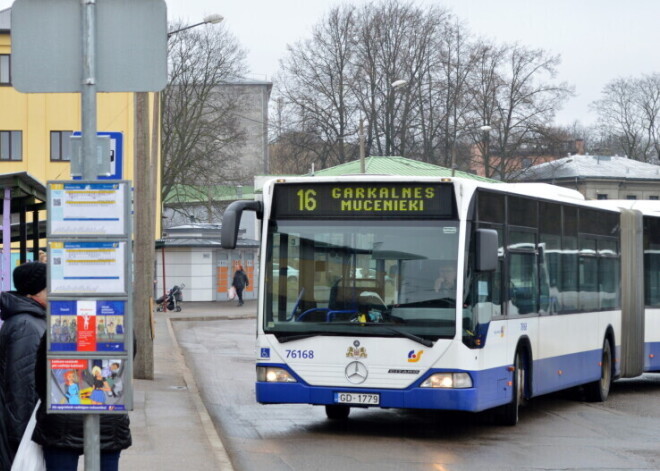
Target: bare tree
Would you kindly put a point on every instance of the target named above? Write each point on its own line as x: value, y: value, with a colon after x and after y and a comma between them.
x: 314, y: 89
x: 454, y: 86
x: 517, y: 99
x: 648, y: 100
x: 200, y: 124
x: 622, y: 120
x: 397, y: 41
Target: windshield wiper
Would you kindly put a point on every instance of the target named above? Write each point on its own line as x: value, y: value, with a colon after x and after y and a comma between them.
x: 408, y: 335
x: 289, y: 338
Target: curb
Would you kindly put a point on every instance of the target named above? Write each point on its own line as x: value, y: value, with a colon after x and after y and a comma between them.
x: 212, y: 318
x: 214, y: 439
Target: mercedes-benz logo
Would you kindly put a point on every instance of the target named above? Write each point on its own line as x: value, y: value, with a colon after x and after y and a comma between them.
x: 356, y: 372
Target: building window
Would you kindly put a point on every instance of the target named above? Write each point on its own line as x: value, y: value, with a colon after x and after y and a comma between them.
x: 653, y: 197
x: 5, y: 71
x: 601, y: 196
x: 11, y: 145
x: 631, y: 197
x: 60, y: 146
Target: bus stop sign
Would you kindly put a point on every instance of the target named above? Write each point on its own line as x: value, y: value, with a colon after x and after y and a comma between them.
x: 131, y: 46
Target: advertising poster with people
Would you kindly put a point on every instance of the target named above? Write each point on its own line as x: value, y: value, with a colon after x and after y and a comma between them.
x: 87, y: 385
x: 87, y: 326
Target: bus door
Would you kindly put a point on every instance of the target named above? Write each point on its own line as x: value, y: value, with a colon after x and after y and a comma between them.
x: 523, y: 289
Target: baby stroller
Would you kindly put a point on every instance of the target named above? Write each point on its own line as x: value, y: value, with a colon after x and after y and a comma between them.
x: 172, y: 301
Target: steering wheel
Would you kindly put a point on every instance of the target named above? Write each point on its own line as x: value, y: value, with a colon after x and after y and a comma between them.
x: 309, y: 311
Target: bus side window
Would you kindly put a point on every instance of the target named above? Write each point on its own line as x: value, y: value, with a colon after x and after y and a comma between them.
x: 523, y: 287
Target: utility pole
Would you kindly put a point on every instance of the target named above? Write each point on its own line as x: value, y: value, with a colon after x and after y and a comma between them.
x: 145, y: 228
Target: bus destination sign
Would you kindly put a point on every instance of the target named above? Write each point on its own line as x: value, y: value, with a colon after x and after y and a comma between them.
x: 364, y: 200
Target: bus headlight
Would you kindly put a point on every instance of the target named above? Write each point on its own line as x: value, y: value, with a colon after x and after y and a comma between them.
x: 448, y: 381
x: 269, y: 374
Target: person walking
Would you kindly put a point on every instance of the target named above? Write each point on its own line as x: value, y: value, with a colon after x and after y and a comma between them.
x: 24, y: 314
x: 239, y: 282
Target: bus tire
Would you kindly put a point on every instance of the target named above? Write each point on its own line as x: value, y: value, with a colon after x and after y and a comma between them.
x: 600, y: 389
x: 508, y: 413
x: 337, y: 412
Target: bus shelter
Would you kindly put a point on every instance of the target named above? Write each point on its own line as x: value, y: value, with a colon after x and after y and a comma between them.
x: 22, y: 194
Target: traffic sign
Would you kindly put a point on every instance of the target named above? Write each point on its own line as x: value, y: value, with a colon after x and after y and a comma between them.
x: 116, y: 155
x: 46, y: 46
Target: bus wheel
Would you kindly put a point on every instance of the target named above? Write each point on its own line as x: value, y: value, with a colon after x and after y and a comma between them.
x: 599, y: 390
x: 508, y: 413
x: 335, y: 412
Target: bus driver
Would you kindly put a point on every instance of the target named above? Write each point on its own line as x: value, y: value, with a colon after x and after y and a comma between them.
x: 445, y: 284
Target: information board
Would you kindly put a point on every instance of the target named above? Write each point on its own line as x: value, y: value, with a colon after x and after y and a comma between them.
x: 87, y: 385
x: 87, y: 325
x: 79, y: 209
x: 87, y: 267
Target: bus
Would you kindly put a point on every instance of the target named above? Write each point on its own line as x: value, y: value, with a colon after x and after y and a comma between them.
x: 443, y: 293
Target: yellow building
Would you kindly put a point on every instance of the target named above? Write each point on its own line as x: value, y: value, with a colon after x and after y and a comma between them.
x: 35, y: 128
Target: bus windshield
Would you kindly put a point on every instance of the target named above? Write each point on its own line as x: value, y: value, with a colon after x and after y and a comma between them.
x: 361, y: 277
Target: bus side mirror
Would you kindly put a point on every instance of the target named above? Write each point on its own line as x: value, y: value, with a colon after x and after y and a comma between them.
x: 486, y: 247
x: 231, y: 220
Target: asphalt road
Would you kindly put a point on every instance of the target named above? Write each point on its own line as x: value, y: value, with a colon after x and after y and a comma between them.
x: 556, y: 432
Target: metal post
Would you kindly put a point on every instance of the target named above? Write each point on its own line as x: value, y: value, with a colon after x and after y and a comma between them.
x: 361, y: 136
x: 162, y: 251
x: 453, y: 161
x: 89, y: 172
x: 6, y: 241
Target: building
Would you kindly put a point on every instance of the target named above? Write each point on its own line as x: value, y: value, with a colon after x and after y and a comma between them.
x: 600, y: 177
x: 401, y: 166
x: 527, y: 155
x: 253, y: 97
x: 192, y: 255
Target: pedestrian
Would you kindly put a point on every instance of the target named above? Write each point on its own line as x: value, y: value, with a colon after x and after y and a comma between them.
x: 62, y: 435
x: 239, y: 282
x: 24, y: 314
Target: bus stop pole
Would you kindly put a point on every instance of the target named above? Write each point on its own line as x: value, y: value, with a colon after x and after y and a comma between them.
x: 91, y: 426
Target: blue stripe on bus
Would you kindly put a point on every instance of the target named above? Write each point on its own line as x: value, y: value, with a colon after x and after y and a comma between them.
x: 652, y: 356
x: 470, y: 399
x: 566, y: 371
x: 490, y: 387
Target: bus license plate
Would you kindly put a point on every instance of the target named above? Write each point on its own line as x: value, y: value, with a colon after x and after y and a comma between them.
x: 357, y: 398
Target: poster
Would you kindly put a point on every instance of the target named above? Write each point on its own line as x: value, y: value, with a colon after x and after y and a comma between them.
x: 87, y: 209
x: 87, y: 326
x: 87, y: 267
x: 80, y: 385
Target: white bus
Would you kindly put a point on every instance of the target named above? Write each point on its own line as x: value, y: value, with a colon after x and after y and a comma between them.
x: 437, y: 293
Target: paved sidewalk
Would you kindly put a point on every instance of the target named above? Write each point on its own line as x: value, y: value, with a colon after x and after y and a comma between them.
x: 171, y: 427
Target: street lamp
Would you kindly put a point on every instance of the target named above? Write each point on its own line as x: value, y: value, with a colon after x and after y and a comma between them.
x: 145, y: 156
x: 399, y: 84
x: 485, y: 129
x: 209, y: 19
x: 361, y: 137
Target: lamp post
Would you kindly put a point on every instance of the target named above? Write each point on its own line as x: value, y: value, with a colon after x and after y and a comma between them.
x: 485, y: 129
x: 145, y: 163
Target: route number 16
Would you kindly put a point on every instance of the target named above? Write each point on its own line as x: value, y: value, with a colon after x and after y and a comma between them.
x: 306, y: 200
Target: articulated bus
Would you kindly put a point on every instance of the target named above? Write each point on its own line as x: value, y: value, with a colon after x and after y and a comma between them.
x: 447, y: 293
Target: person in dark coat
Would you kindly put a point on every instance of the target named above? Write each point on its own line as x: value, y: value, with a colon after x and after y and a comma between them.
x: 239, y: 282
x: 24, y: 322
x: 62, y: 435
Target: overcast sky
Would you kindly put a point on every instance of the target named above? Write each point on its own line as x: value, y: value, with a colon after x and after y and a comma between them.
x: 598, y: 40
